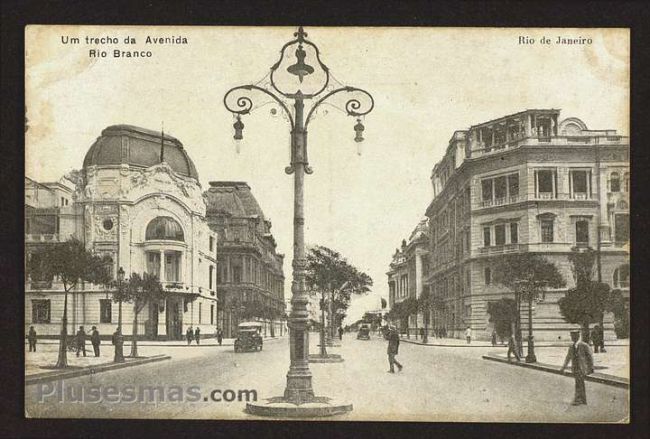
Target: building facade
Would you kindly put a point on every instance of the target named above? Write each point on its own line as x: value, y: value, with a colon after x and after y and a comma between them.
x: 249, y: 269
x: 137, y: 200
x: 407, y: 273
x: 527, y: 182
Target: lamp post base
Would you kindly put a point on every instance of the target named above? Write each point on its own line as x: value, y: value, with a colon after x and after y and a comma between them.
x: 280, y: 407
x: 531, y: 358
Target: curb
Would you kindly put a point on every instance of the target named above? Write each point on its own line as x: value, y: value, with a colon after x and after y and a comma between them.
x: 174, y: 345
x: 52, y: 376
x: 595, y: 377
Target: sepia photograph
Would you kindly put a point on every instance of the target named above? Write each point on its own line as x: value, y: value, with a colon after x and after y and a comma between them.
x: 424, y: 224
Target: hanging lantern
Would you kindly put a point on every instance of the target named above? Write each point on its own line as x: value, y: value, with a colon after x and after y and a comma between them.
x: 239, y: 128
x: 300, y: 68
x: 358, y: 129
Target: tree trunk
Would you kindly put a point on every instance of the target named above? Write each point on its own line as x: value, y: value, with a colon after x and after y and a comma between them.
x: 62, y: 361
x: 134, y: 333
x: 585, y: 332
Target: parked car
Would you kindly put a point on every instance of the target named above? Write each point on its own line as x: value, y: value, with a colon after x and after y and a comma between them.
x: 248, y: 337
x: 364, y: 333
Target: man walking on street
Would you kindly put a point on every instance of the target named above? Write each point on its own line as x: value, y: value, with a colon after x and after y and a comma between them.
x: 197, y: 335
x: 468, y: 335
x: 94, y: 339
x: 512, y: 348
x: 393, y: 348
x: 582, y: 364
x: 340, y: 333
x: 189, y: 334
x: 597, y: 336
x: 81, y: 341
x: 31, y: 338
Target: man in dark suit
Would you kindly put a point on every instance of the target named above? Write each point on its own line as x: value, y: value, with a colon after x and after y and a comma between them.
x: 393, y: 348
x: 582, y: 363
x: 94, y: 339
x: 81, y: 341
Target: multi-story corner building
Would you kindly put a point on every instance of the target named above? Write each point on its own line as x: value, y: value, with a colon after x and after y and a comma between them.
x: 249, y: 268
x: 138, y: 201
x: 527, y: 182
x: 408, y: 269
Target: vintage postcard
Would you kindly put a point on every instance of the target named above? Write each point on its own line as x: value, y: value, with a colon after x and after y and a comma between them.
x: 327, y: 223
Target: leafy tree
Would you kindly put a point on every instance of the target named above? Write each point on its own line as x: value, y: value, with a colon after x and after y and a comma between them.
x: 141, y: 290
x: 526, y: 274
x: 588, y: 300
x: 71, y: 263
x: 331, y: 275
x: 503, y: 313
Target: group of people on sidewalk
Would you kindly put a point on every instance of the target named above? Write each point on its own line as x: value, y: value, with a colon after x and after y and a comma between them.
x: 195, y: 335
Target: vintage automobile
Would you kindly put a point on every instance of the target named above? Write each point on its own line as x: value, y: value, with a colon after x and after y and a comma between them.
x: 364, y: 333
x: 248, y: 337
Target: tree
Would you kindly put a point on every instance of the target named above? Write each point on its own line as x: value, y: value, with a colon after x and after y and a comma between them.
x: 409, y: 307
x: 424, y: 305
x: 141, y: 290
x: 331, y: 275
x: 527, y: 275
x: 503, y: 313
x: 588, y: 300
x: 71, y: 263
x: 437, y: 303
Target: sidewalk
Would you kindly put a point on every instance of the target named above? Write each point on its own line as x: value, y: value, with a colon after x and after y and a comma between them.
x: 611, y: 367
x: 204, y: 342
x: 457, y: 342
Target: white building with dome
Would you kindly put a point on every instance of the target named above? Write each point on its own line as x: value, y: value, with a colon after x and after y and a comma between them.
x: 137, y: 200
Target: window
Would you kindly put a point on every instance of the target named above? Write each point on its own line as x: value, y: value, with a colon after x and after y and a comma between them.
x: 500, y: 234
x: 212, y: 314
x: 621, y: 227
x: 615, y: 182
x: 40, y: 311
x: 514, y: 233
x: 105, y: 311
x: 211, y: 244
x: 211, y: 274
x: 513, y: 187
x: 582, y: 232
x: 488, y: 275
x: 164, y: 227
x: 547, y: 230
x: 486, y: 236
x: 580, y: 184
x: 500, y: 189
x: 545, y: 181
x: 622, y: 277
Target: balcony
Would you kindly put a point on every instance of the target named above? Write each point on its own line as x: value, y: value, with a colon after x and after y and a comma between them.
x: 42, y: 237
x: 501, y: 249
x: 501, y: 201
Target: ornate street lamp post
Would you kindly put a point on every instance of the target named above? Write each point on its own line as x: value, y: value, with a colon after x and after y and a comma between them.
x: 312, y: 83
x: 119, y: 338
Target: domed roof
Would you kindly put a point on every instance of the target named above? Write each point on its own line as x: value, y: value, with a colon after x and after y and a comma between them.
x: 232, y: 198
x: 135, y: 146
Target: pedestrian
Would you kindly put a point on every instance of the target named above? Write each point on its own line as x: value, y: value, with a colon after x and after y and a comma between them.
x: 189, y: 335
x: 81, y: 341
x: 494, y: 337
x: 582, y: 364
x: 114, y: 337
x: 468, y: 335
x: 422, y: 333
x: 197, y: 335
x: 512, y: 348
x: 340, y: 333
x: 219, y: 336
x: 393, y: 348
x: 597, y: 336
x: 31, y: 338
x: 94, y: 339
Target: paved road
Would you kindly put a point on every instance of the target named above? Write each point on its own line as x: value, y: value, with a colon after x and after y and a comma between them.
x: 437, y: 384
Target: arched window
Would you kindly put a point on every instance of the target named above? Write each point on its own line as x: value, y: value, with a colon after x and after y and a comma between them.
x: 622, y: 276
x: 164, y: 227
x: 615, y: 182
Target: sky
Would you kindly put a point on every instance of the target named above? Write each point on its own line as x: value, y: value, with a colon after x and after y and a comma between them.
x: 426, y: 83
